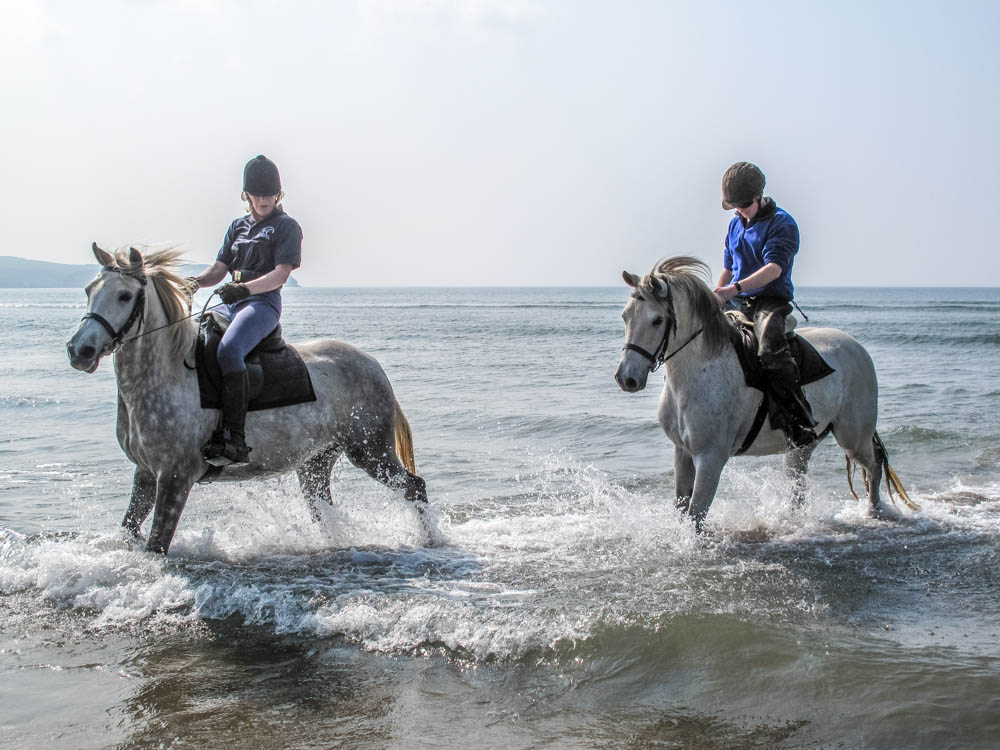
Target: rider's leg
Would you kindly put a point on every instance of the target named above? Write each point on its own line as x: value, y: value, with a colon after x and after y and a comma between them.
x: 789, y: 409
x: 251, y: 322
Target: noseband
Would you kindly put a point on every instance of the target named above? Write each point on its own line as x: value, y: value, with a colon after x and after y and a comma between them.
x: 660, y: 356
x: 138, y: 311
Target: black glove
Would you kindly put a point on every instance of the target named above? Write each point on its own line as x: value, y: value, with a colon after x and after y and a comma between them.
x: 232, y: 293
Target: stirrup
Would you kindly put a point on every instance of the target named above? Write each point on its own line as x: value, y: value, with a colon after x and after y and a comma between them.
x: 799, y: 436
x: 215, y: 446
x: 226, y: 453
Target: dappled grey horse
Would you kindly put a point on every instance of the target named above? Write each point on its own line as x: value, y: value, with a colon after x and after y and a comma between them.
x: 706, y: 408
x: 161, y: 425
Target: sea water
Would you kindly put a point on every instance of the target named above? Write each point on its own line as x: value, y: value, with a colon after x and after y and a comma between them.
x: 570, y: 607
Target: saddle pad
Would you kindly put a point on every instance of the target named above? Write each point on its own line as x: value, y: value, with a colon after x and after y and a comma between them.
x: 812, y: 366
x: 284, y: 379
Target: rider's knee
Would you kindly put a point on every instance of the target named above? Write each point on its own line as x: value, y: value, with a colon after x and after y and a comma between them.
x: 230, y: 359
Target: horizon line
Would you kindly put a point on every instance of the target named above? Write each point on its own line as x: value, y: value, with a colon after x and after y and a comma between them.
x: 300, y: 285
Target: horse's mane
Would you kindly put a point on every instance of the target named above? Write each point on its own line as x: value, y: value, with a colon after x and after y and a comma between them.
x: 687, y: 276
x: 159, y: 267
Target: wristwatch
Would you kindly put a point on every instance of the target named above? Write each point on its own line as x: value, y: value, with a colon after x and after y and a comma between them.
x: 739, y: 289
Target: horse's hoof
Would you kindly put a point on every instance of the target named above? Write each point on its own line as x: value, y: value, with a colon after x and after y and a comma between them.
x: 433, y: 537
x: 131, y: 539
x: 885, y: 513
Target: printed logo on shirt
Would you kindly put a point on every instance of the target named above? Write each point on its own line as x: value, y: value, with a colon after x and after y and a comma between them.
x: 266, y: 233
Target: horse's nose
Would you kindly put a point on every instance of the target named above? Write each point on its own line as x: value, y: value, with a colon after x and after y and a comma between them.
x: 84, y: 352
x: 626, y: 383
x: 82, y: 357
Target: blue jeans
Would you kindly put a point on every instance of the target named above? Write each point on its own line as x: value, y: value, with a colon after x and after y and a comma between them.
x: 252, y: 320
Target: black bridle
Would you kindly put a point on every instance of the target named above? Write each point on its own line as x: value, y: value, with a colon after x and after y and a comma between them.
x: 660, y: 356
x: 138, y: 313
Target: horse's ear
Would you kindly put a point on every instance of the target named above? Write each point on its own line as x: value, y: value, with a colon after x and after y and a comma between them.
x: 103, y: 257
x: 659, y: 286
x: 631, y: 279
x: 134, y: 258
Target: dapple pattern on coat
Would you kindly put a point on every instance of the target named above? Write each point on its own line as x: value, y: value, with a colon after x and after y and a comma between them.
x: 161, y: 425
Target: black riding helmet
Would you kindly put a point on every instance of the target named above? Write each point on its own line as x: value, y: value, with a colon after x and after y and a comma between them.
x: 260, y: 177
x: 741, y: 183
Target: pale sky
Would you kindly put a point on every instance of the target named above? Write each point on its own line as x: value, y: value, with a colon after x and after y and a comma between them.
x: 508, y: 142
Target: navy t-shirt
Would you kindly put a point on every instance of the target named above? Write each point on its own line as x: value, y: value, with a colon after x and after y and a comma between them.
x: 258, y: 247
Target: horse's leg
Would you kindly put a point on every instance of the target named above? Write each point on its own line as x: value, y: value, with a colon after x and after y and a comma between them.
x: 172, y: 488
x: 683, y: 479
x: 875, y: 459
x: 386, y: 468
x: 868, y: 457
x: 314, y: 478
x: 796, y: 463
x: 707, y: 472
x: 141, y: 502
x: 863, y: 451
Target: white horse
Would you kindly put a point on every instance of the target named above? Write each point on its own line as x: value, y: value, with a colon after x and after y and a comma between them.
x: 162, y: 427
x: 706, y: 408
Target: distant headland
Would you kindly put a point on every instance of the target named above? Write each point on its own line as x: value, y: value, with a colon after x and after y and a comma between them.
x: 24, y: 274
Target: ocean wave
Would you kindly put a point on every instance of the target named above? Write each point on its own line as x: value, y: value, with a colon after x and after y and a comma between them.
x: 44, y: 305
x: 17, y: 402
x: 586, y: 305
x: 986, y: 307
x: 553, y: 565
x: 919, y: 435
x: 933, y: 341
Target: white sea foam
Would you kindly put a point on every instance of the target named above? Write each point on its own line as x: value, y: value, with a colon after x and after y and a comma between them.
x: 97, y: 576
x: 566, y: 552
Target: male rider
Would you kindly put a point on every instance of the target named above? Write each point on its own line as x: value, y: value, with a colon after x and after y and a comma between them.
x: 757, y: 278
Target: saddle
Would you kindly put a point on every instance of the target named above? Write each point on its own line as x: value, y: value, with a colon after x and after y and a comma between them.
x: 812, y: 366
x: 276, y: 374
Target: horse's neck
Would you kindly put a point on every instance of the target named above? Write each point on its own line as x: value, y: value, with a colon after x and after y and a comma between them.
x: 698, y: 363
x: 148, y: 364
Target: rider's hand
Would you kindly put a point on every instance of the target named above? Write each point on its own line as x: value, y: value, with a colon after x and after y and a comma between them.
x: 232, y: 293
x: 725, y: 293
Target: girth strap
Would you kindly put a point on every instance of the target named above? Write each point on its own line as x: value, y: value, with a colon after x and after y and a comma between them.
x: 758, y: 422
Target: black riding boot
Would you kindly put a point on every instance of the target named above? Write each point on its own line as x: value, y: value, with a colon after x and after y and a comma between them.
x: 228, y: 444
x: 788, y: 409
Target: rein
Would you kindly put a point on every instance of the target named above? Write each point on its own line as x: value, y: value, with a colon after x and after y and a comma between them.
x: 660, y: 355
x: 175, y: 322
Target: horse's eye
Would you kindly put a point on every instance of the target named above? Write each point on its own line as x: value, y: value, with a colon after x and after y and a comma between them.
x: 125, y: 297
x: 658, y: 320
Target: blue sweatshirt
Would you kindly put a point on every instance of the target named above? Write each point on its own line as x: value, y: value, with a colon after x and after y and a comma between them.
x: 772, y: 238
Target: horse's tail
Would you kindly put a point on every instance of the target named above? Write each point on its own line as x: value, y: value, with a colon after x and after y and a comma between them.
x: 404, y: 441
x: 892, y: 481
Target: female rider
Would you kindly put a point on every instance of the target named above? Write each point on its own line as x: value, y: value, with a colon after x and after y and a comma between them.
x: 260, y: 250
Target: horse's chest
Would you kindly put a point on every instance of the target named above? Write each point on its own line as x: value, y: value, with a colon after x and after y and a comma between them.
x: 690, y: 417
x: 159, y: 423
